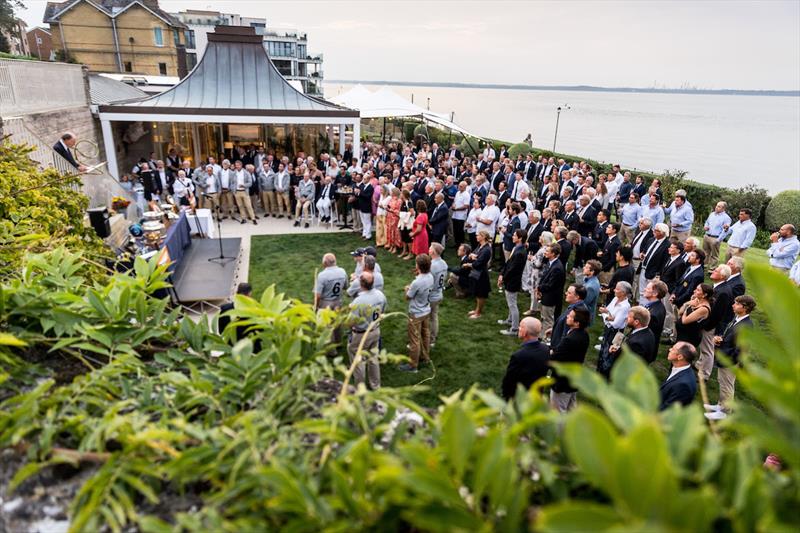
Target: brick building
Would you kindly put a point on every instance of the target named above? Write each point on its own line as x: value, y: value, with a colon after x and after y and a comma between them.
x: 118, y: 36
x: 40, y: 44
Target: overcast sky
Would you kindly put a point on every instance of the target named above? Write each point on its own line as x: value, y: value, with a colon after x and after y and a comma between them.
x: 739, y: 45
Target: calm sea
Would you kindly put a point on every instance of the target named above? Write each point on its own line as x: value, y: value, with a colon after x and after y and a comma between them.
x: 726, y: 140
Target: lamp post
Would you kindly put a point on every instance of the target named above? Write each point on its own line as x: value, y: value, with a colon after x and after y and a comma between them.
x: 558, y: 116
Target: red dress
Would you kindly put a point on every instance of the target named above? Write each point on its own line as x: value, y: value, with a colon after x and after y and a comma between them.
x: 420, y: 243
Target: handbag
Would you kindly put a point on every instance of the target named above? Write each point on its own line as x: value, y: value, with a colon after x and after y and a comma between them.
x: 474, y: 274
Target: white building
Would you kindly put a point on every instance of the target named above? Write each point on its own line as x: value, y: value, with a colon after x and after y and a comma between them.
x: 288, y: 50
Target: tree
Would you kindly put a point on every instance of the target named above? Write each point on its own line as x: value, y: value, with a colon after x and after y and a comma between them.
x: 8, y: 18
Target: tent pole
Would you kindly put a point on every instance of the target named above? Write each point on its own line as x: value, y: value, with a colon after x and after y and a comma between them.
x: 470, y: 144
x: 383, y: 137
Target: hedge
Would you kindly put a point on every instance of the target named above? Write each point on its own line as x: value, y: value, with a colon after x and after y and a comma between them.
x: 783, y: 209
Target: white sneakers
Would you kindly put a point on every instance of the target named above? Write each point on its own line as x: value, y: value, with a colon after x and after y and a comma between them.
x: 715, y: 411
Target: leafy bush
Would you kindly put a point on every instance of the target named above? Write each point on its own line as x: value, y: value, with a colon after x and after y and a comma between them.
x: 247, y: 433
x: 784, y: 209
x: 39, y: 210
x: 519, y: 148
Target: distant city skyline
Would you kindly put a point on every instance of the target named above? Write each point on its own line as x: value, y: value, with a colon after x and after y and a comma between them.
x: 710, y: 45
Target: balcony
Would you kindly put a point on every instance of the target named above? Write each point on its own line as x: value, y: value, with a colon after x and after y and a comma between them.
x: 318, y: 75
x: 312, y: 59
x: 286, y: 35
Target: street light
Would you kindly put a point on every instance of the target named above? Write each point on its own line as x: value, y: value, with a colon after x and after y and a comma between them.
x: 558, y: 116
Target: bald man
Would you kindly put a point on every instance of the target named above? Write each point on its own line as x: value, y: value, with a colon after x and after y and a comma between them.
x: 331, y: 284
x: 530, y: 362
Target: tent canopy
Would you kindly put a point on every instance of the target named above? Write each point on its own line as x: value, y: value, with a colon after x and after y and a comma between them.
x: 385, y: 103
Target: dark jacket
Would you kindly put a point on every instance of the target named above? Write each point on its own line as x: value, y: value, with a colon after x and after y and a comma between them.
x: 364, y: 197
x: 653, y: 264
x: 686, y: 286
x: 682, y: 388
x: 513, y: 269
x: 571, y: 349
x: 620, y: 274
x: 658, y: 313
x: 584, y: 251
x: 513, y: 225
x: 599, y: 234
x: 736, y: 285
x: 672, y: 272
x: 571, y: 220
x: 643, y: 344
x: 438, y: 220
x: 646, y: 237
x: 587, y: 223
x: 534, y: 232
x: 551, y: 284
x: 729, y: 345
x: 526, y: 365
x: 721, y: 310
x: 609, y: 257
x: 566, y: 249
x: 560, y: 326
x: 65, y: 153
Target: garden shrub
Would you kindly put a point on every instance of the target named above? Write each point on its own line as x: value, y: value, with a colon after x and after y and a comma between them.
x: 783, y: 209
x: 517, y: 149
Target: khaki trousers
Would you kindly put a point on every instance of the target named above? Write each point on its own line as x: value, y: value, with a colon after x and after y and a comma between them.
x: 680, y: 235
x: 727, y: 380
x: 705, y: 362
x: 626, y: 234
x: 419, y: 339
x: 669, y: 320
x: 548, y: 315
x: 434, y: 320
x: 605, y: 277
x: 563, y: 401
x: 711, y: 248
x: 303, y: 206
x: 380, y: 230
x: 211, y: 201
x: 244, y: 205
x: 284, y: 206
x: 370, y: 366
x: 270, y: 202
x: 227, y: 203
x: 733, y: 251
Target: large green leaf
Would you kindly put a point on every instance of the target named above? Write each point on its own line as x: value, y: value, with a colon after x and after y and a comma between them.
x: 592, y: 443
x: 575, y: 516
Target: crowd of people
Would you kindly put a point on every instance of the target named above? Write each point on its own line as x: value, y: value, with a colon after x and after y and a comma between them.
x: 609, y: 245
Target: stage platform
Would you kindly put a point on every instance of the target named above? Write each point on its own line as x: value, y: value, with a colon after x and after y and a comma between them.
x: 198, y: 280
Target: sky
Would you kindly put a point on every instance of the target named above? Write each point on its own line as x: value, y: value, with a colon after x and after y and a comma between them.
x: 704, y: 44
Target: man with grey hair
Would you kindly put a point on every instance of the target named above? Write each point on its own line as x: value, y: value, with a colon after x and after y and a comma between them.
x: 367, y: 264
x: 64, y: 147
x: 736, y: 281
x: 489, y: 217
x: 266, y: 186
x: 330, y: 285
x: 226, y: 198
x: 209, y: 186
x: 720, y: 315
x: 365, y: 313
x: 305, y: 196
x: 655, y: 257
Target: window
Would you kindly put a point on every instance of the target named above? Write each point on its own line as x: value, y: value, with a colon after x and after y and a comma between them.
x: 190, y: 40
x: 301, y: 51
x: 177, y: 36
x: 159, y: 36
x: 128, y: 66
x: 38, y: 40
x: 162, y: 69
x: 191, y: 60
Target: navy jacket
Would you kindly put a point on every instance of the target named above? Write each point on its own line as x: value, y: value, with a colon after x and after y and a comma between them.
x: 438, y: 220
x: 588, y: 222
x: 560, y: 326
x: 721, y: 310
x: 609, y: 257
x: 584, y: 251
x: 551, y: 284
x: 513, y: 268
x: 672, y: 272
x: 729, y: 345
x: 654, y: 263
x: 65, y: 153
x: 658, y: 313
x: 686, y: 286
x: 736, y: 285
x: 571, y: 349
x: 526, y: 365
x: 682, y: 388
x: 643, y: 344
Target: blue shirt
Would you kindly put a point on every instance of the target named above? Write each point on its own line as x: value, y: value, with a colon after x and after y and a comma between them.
x: 681, y: 218
x: 656, y: 214
x: 631, y: 213
x: 783, y: 253
x: 592, y: 286
x: 716, y: 222
x: 742, y: 234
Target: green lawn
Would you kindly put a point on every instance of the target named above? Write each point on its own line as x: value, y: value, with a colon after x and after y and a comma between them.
x: 467, y: 351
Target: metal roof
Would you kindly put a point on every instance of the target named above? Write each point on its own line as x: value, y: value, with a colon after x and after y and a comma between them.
x: 104, y: 90
x: 235, y: 76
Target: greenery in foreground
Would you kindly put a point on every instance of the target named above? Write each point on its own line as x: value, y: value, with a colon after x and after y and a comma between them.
x: 467, y: 352
x: 166, y: 408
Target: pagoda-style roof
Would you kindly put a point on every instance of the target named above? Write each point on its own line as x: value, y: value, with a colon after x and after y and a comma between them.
x: 235, y: 77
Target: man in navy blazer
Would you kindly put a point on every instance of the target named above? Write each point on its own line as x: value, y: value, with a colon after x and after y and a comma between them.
x: 693, y: 277
x: 64, y: 148
x: 530, y: 362
x: 681, y: 384
x: 735, y: 281
x: 438, y: 220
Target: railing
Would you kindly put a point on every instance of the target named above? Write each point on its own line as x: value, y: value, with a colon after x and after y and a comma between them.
x: 35, y: 86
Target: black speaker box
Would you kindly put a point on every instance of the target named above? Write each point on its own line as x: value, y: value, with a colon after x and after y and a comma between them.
x: 98, y: 217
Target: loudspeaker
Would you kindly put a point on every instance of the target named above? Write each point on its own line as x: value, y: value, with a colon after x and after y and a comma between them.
x: 98, y: 217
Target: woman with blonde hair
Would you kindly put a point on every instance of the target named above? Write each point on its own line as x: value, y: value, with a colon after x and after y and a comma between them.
x: 536, y: 262
x: 479, y: 272
x: 393, y: 241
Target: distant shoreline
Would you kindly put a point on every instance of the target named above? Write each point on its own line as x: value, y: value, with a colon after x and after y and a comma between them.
x: 580, y: 88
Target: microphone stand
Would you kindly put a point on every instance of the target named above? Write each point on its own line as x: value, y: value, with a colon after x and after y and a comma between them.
x: 222, y: 260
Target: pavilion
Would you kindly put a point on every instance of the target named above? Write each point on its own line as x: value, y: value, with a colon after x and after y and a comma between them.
x: 234, y: 95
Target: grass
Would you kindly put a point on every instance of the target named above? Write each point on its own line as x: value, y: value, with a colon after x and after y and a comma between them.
x: 466, y: 352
